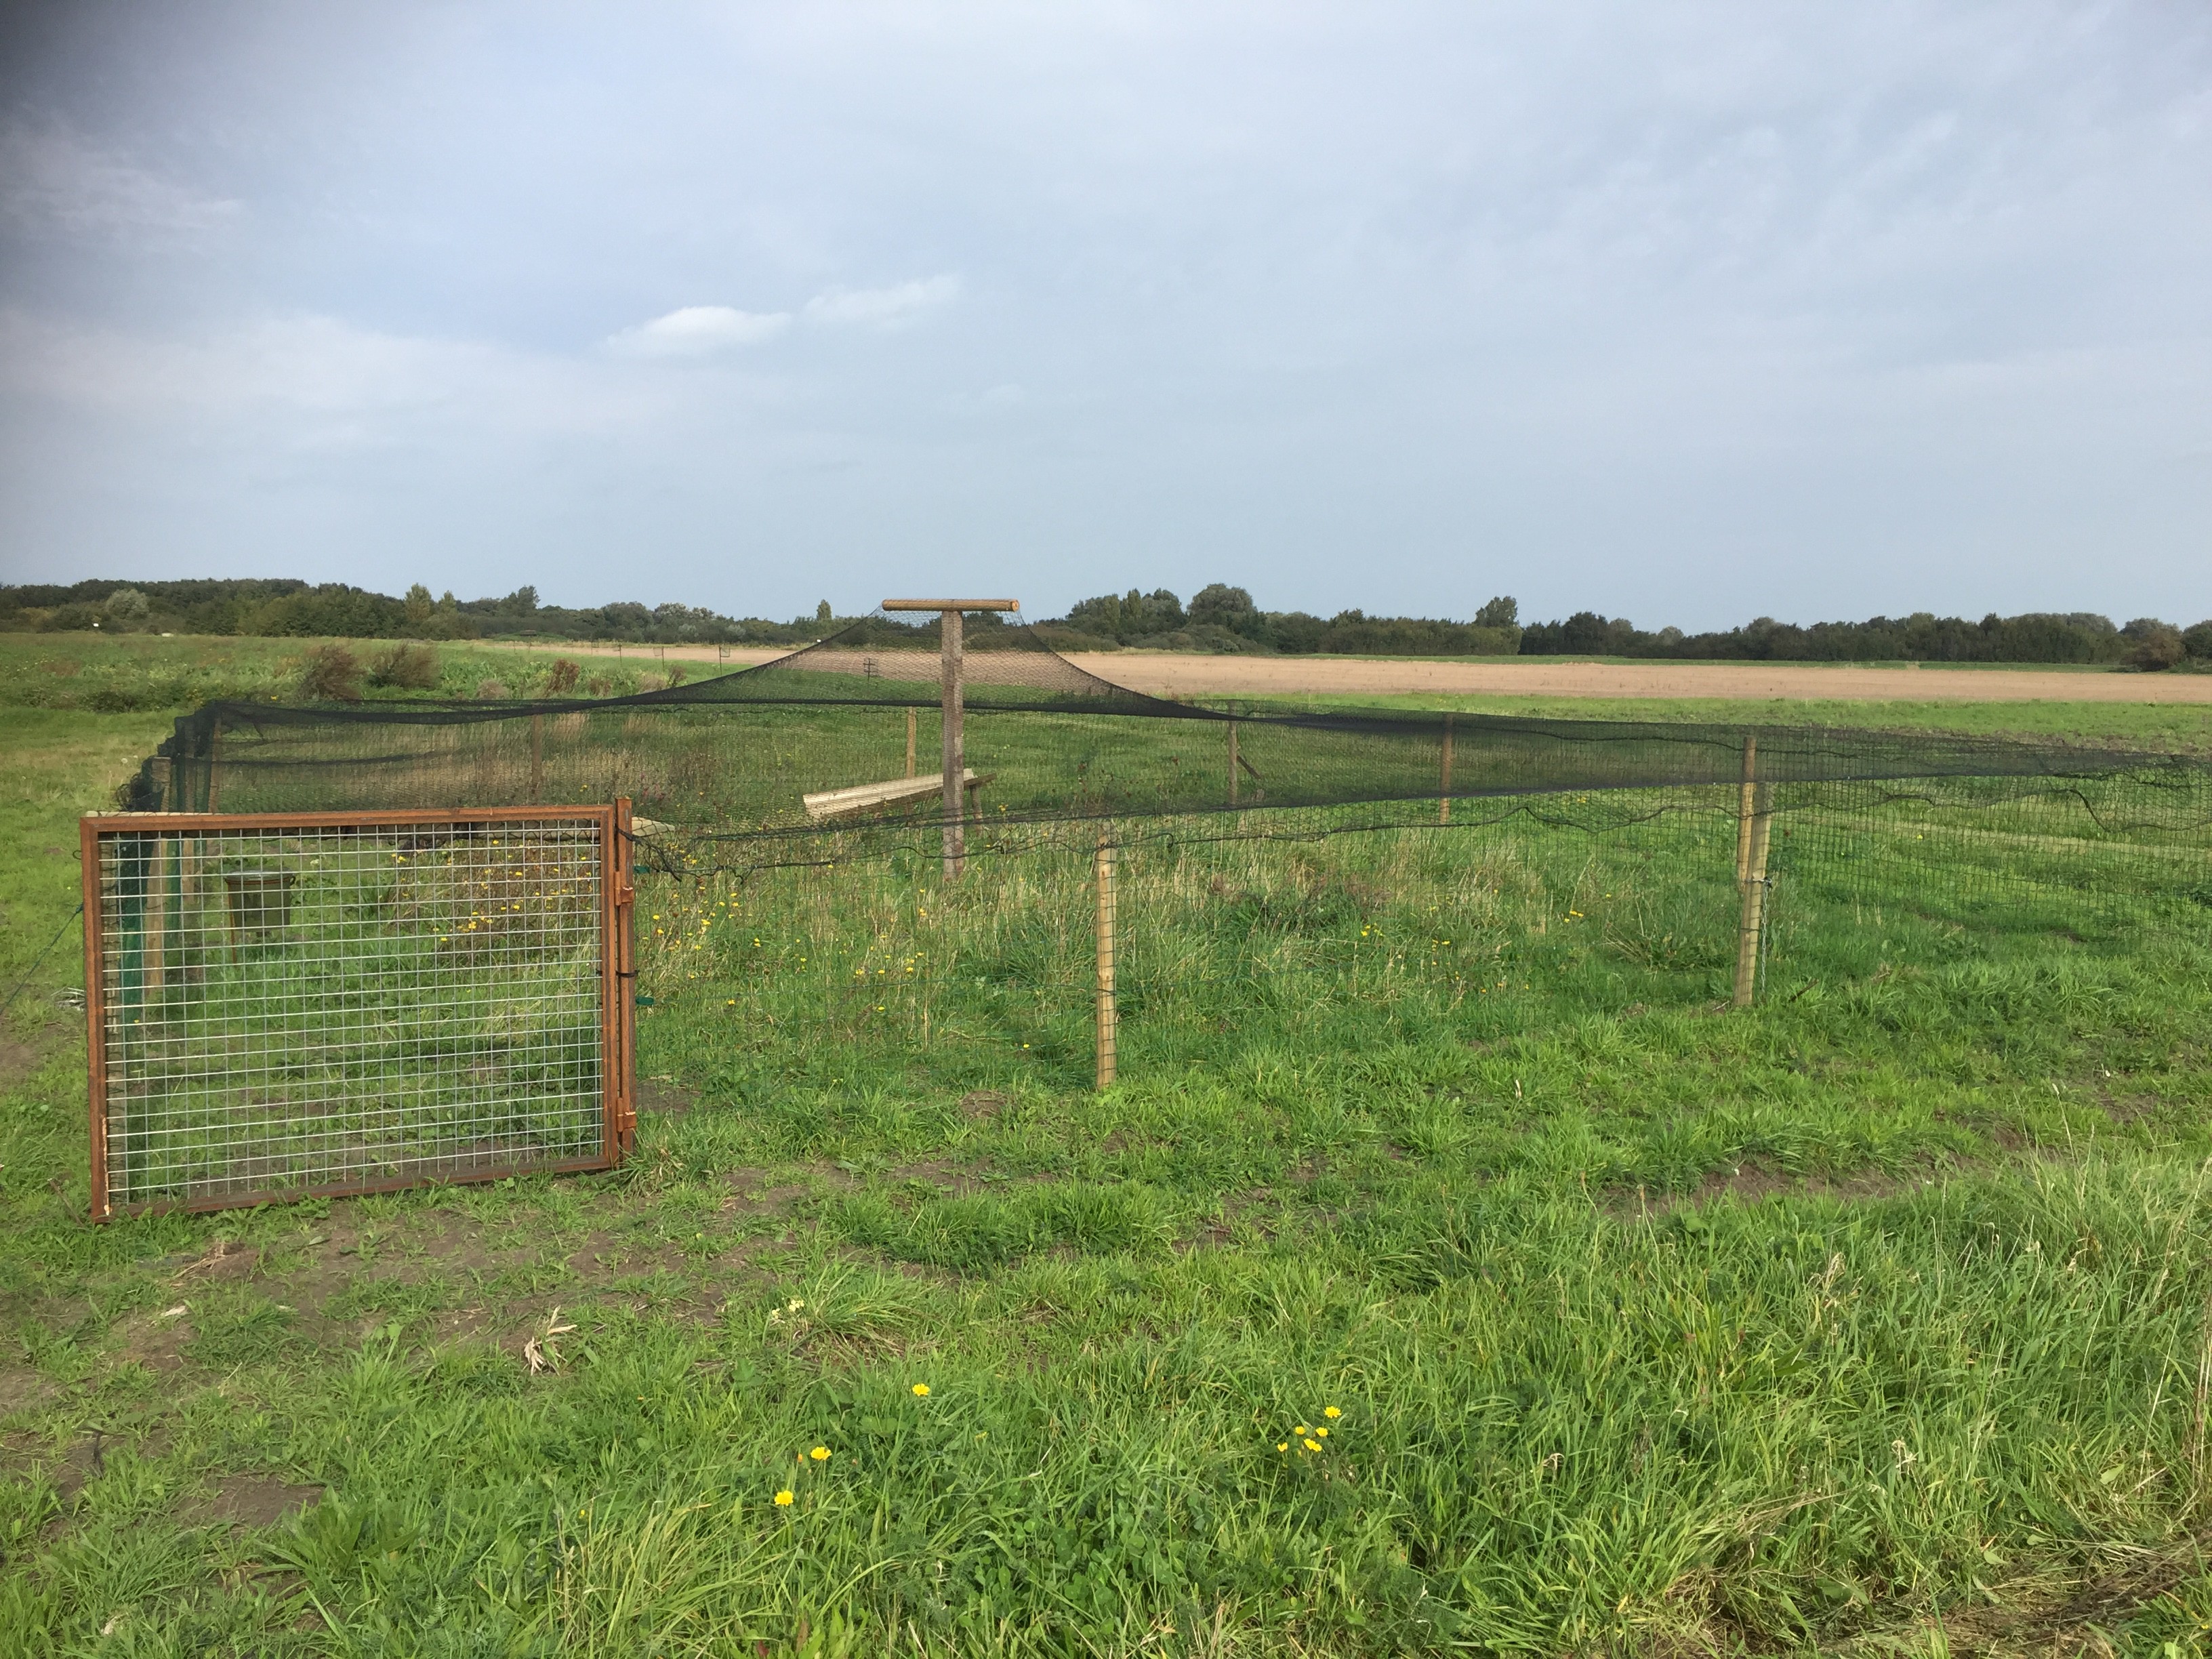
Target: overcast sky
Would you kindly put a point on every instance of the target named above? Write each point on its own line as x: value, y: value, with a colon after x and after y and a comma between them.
x: 1688, y: 312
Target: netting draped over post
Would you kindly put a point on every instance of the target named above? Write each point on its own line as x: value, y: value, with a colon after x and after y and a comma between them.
x: 739, y: 755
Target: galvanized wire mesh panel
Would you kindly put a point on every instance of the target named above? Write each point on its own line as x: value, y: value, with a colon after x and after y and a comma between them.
x: 323, y: 1004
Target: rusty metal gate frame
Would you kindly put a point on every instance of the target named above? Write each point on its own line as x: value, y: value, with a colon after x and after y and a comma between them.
x: 618, y: 974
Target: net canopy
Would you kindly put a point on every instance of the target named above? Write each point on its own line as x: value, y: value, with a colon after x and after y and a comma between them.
x: 844, y: 734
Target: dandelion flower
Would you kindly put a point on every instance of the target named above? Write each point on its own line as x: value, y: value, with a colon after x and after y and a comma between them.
x: 1282, y: 1445
x: 1302, y: 1429
x: 1323, y: 1433
x: 1312, y: 1445
x: 783, y: 1498
x: 820, y: 1454
x: 921, y: 1391
x: 1331, y: 1411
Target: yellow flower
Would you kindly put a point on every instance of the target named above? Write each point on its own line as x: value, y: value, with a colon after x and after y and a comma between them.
x: 820, y: 1454
x: 1282, y: 1445
x: 1312, y: 1445
x: 783, y: 1497
x: 1331, y: 1411
x: 1323, y: 1433
x: 921, y: 1391
x: 1302, y: 1429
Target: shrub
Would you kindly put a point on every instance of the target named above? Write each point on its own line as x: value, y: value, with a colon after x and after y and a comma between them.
x: 2197, y: 640
x: 330, y: 673
x: 405, y: 667
x: 492, y: 691
x: 598, y: 687
x: 2155, y: 645
x: 676, y: 670
x: 561, y: 677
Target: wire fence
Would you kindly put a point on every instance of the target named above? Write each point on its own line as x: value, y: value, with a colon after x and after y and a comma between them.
x: 281, y: 1007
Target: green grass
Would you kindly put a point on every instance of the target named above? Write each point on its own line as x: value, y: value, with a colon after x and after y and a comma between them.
x: 2159, y: 727
x: 1875, y: 1319
x: 125, y: 672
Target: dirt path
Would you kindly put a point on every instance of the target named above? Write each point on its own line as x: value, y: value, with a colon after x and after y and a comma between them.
x: 1164, y: 674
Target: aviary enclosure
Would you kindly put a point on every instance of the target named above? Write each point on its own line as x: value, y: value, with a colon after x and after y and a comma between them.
x: 368, y: 947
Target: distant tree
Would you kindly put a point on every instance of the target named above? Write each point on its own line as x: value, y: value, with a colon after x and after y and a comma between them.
x: 1224, y: 606
x: 2197, y: 640
x: 1502, y: 612
x: 1294, y: 631
x: 2154, y: 646
x: 1128, y: 617
x: 417, y: 607
x: 824, y: 616
x: 126, y: 605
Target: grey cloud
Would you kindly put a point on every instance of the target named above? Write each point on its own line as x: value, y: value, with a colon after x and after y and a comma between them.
x: 52, y: 181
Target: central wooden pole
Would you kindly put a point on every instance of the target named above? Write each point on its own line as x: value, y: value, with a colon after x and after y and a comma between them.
x: 949, y: 617
x: 955, y: 762
x: 1232, y: 763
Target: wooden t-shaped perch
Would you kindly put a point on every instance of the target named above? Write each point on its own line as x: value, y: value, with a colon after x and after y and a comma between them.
x: 955, y: 761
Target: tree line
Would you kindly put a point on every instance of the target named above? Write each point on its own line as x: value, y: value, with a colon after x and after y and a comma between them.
x: 279, y: 608
x: 1220, y: 617
x: 1217, y: 618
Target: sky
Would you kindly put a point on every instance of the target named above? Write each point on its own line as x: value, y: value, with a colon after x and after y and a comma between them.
x: 1685, y: 312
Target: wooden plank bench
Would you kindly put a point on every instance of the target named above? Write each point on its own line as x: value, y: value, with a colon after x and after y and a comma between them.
x: 826, y: 804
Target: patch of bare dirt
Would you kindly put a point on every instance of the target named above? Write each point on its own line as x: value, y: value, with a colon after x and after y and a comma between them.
x: 22, y: 1390
x: 983, y: 1105
x: 155, y: 1339
x: 19, y: 1059
x: 664, y: 1099
x: 250, y: 1500
x: 1753, y: 1183
x: 943, y: 1175
x: 753, y: 1190
x: 222, y: 1260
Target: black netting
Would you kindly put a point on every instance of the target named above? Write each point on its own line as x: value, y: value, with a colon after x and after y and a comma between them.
x: 739, y: 753
x: 1627, y: 852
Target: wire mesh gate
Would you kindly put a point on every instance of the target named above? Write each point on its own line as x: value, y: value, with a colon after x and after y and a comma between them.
x: 290, y: 1005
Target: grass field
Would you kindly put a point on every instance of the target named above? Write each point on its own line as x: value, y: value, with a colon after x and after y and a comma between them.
x: 132, y: 672
x: 1879, y: 1319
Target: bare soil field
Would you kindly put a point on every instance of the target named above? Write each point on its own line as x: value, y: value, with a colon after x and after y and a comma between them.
x: 1167, y: 674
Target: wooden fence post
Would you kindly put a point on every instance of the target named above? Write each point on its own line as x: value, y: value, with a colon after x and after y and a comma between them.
x: 1232, y: 763
x: 536, y: 759
x: 910, y: 723
x: 1443, y: 796
x: 1755, y: 816
x: 1107, y: 1013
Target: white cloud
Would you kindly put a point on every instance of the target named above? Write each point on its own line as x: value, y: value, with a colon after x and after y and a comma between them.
x: 882, y: 307
x: 696, y: 330
x: 52, y: 180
